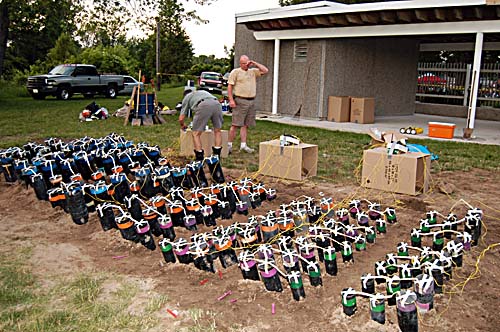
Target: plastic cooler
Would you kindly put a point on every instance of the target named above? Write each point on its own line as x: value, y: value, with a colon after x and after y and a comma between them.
x: 441, y: 129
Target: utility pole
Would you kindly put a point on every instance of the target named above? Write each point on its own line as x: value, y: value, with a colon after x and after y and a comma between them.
x: 158, y: 74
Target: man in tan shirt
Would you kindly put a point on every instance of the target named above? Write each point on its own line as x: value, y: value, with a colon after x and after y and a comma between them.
x: 241, y: 91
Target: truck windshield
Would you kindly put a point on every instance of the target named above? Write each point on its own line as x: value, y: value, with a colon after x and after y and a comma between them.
x: 62, y: 70
x: 215, y: 77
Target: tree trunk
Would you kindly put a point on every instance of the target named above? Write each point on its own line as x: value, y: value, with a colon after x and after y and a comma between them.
x: 4, y: 31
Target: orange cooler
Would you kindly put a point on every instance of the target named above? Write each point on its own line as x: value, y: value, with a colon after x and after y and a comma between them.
x: 441, y: 129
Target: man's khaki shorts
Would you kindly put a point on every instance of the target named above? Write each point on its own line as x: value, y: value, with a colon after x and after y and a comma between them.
x: 244, y: 113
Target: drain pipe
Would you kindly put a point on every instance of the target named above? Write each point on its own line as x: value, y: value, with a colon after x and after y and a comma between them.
x: 276, y: 75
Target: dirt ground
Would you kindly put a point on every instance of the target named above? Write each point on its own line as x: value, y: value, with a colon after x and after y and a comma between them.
x: 61, y: 247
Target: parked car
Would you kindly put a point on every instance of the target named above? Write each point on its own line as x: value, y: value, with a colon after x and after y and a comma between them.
x: 129, y: 82
x: 65, y: 80
x: 430, y: 78
x: 225, y: 78
x: 210, y: 81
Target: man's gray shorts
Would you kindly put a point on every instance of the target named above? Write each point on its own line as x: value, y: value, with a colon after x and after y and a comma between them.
x: 209, y: 109
x: 244, y: 113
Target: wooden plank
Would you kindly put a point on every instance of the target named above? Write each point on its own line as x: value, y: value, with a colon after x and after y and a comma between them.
x: 458, y: 13
x: 266, y: 24
x: 254, y: 26
x: 321, y: 20
x: 295, y: 22
x: 405, y: 16
x: 422, y: 15
x: 159, y: 119
x: 127, y: 118
x: 369, y: 18
x: 307, y: 21
x: 353, y: 18
x: 338, y: 19
x: 440, y: 14
x: 284, y: 23
x: 478, y: 13
x: 388, y: 16
x: 275, y: 24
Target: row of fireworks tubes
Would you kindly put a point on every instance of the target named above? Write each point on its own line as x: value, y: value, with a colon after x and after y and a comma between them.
x: 411, y: 281
x: 296, y: 237
x: 140, y: 210
x: 109, y: 158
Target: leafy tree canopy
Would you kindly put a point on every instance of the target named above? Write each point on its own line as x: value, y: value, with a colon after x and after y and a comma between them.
x: 44, y: 33
x: 32, y: 29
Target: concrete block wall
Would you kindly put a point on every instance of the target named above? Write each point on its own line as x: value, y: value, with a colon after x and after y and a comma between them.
x: 383, y: 68
x: 299, y: 83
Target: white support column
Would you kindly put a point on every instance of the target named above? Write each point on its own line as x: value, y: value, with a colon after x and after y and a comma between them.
x: 276, y: 71
x: 476, y: 67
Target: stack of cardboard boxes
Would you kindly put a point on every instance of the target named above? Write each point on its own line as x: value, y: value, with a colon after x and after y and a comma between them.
x: 353, y: 109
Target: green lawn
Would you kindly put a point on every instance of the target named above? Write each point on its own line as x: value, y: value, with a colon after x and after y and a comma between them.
x: 23, y: 119
x: 72, y: 303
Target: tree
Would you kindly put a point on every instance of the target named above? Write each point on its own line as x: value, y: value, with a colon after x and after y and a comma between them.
x: 176, y: 54
x: 4, y: 30
x: 101, y: 24
x: 143, y: 14
x: 31, y: 29
x: 211, y: 63
x: 108, y: 59
x: 139, y: 49
x: 229, y: 57
x: 63, y: 51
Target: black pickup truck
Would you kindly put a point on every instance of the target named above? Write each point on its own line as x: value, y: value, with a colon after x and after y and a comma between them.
x: 65, y: 80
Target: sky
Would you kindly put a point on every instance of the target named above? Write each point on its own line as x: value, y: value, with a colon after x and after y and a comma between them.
x: 210, y: 38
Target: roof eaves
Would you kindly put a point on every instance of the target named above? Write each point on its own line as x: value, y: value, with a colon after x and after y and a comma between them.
x: 326, y: 7
x: 293, y: 8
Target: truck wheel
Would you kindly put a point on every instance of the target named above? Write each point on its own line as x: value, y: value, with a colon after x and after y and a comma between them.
x: 111, y: 91
x: 63, y: 93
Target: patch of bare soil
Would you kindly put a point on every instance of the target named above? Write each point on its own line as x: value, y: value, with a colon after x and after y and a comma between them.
x: 64, y: 248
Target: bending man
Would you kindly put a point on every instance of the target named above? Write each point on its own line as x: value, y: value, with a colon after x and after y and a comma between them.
x: 204, y: 107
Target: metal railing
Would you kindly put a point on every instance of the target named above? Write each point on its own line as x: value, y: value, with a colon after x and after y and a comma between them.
x: 449, y: 83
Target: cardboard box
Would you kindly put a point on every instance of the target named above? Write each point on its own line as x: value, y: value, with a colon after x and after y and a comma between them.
x: 406, y: 173
x: 339, y: 109
x: 441, y: 129
x: 207, y: 141
x: 362, y: 110
x: 294, y: 162
x: 384, y: 137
